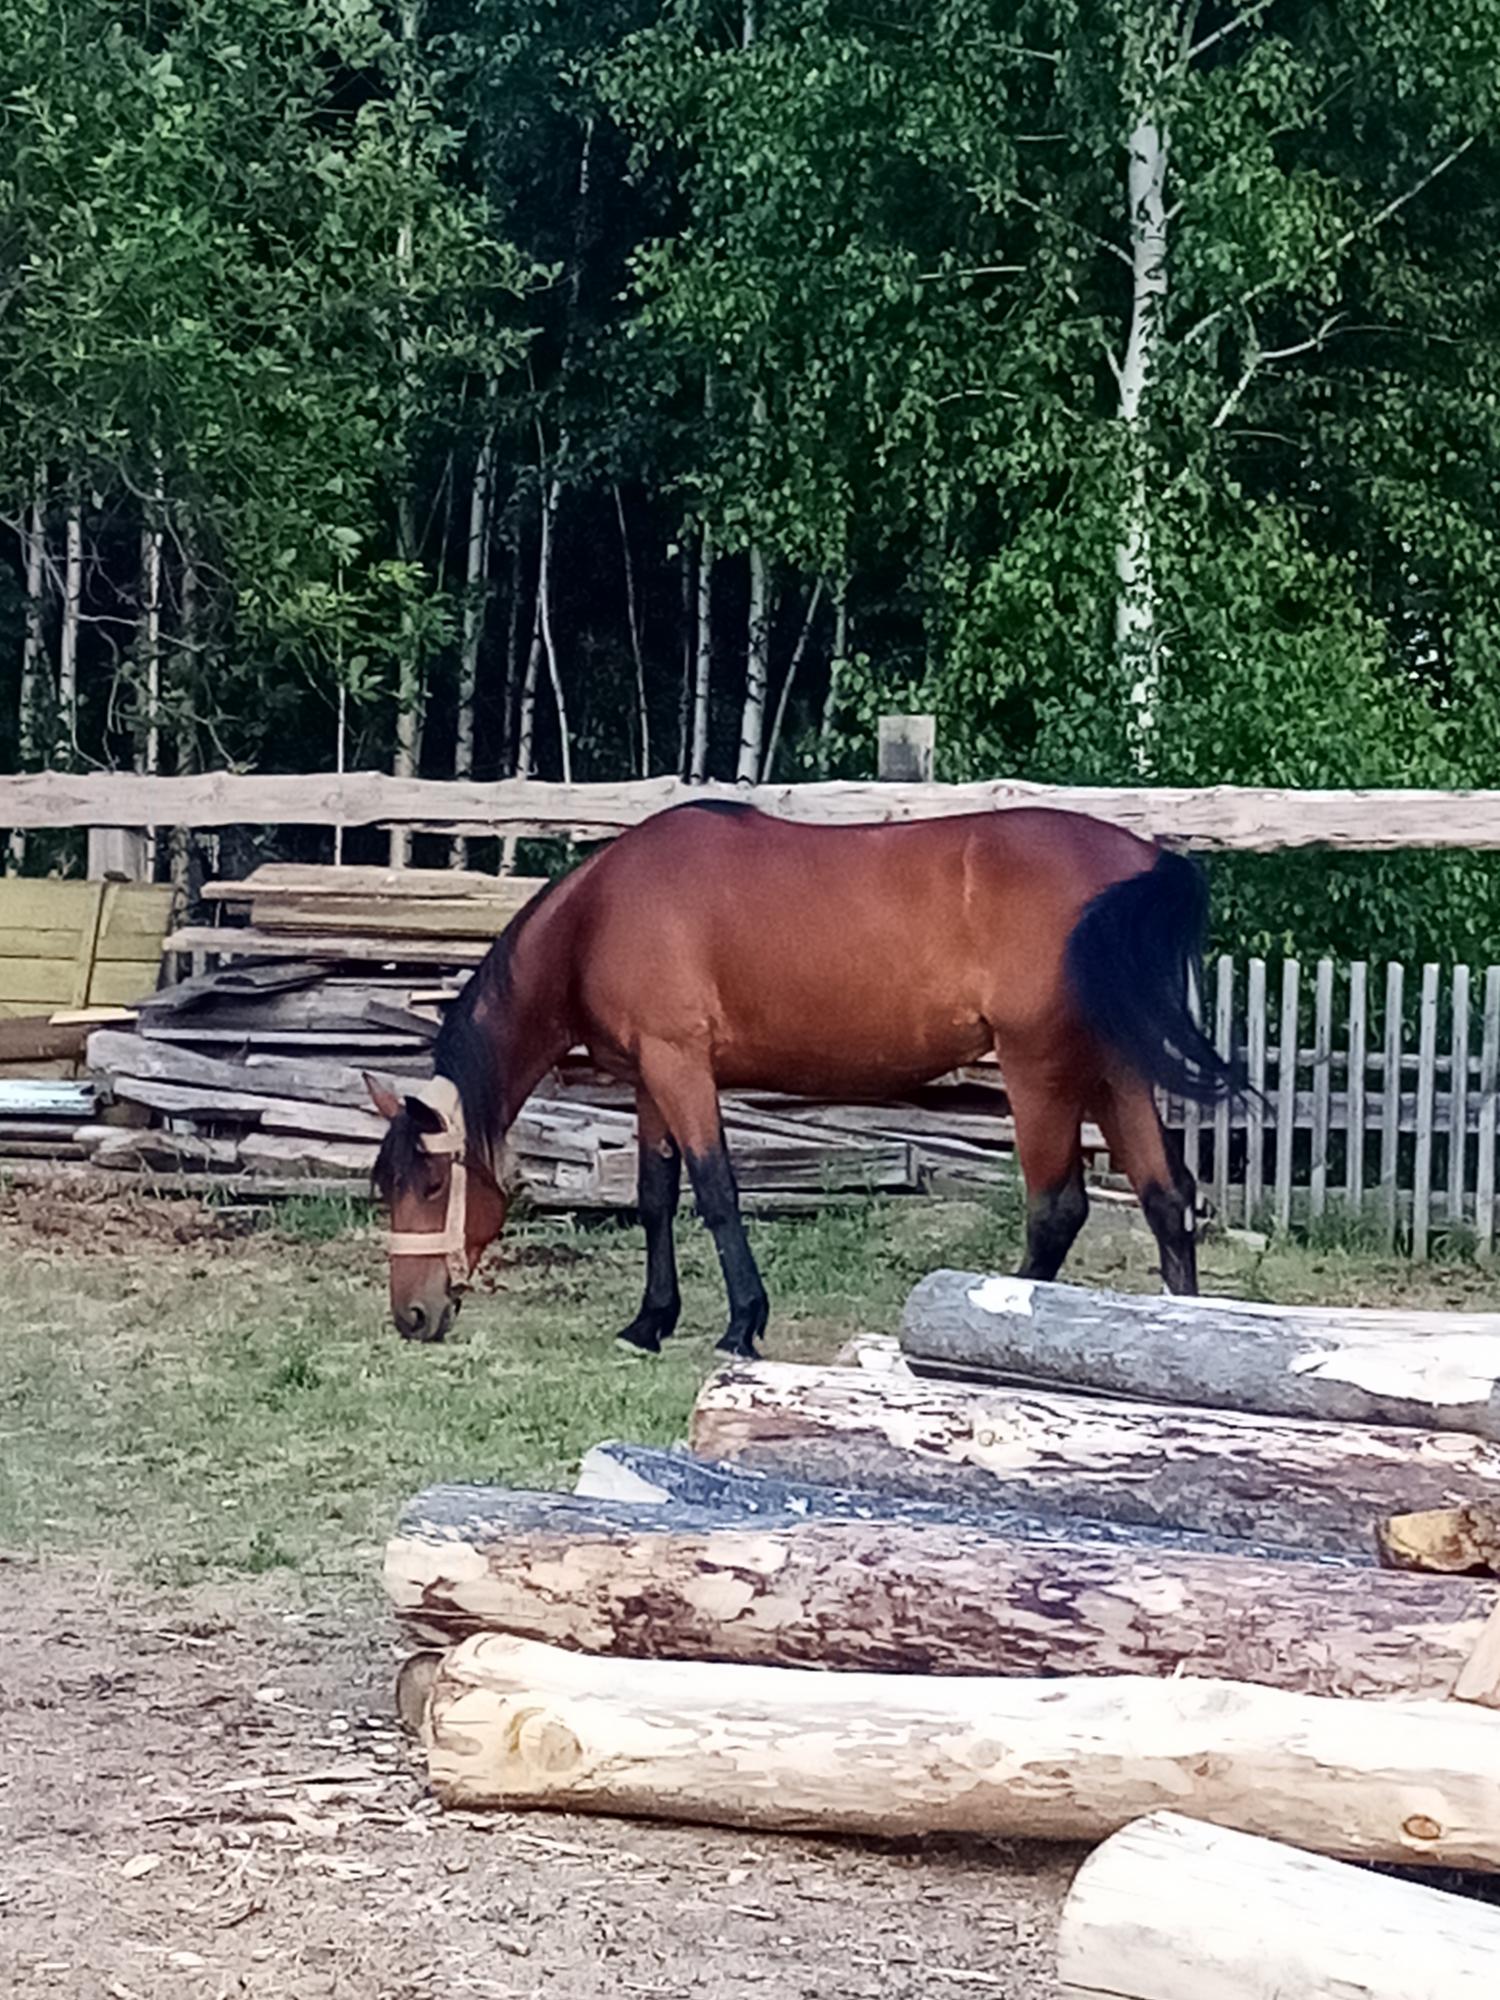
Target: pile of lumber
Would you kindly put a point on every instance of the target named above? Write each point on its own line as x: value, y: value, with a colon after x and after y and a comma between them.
x: 1050, y: 1563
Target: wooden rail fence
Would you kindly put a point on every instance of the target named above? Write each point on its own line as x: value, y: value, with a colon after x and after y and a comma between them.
x: 1224, y: 817
x: 1386, y: 1111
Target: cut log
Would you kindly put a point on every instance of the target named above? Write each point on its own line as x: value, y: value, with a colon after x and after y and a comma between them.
x: 1438, y: 1371
x: 637, y: 1472
x: 892, y: 1596
x: 514, y: 1723
x: 1171, y: 1909
x: 1271, y: 1479
x: 1454, y: 1541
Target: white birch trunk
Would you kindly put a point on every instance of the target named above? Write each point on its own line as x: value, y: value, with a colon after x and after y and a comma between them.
x: 1136, y: 637
x: 67, y: 649
x: 31, y: 655
x: 703, y: 659
x: 408, y: 684
x: 757, y: 644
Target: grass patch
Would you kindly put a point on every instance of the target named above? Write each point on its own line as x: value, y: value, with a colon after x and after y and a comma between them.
x: 203, y: 1410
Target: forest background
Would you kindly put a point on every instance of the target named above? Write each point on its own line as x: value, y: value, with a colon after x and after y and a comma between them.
x: 592, y: 388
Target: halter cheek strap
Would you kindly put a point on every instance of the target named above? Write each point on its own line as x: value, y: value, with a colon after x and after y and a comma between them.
x: 451, y: 1241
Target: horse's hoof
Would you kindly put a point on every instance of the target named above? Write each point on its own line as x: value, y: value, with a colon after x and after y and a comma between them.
x: 739, y: 1346
x: 638, y: 1339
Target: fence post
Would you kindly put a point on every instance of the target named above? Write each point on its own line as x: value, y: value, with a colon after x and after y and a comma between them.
x: 1421, y: 1199
x: 117, y: 854
x: 1354, y: 1140
x: 1322, y: 1087
x: 1458, y: 1100
x: 1390, y: 1128
x: 1286, y: 1091
x: 905, y: 747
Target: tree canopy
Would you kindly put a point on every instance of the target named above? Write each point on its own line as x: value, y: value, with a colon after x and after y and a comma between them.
x: 655, y: 385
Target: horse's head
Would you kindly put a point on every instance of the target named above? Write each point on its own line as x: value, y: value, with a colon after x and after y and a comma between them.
x: 446, y: 1203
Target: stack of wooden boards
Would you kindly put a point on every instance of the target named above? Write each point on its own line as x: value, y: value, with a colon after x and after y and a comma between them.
x: 1054, y: 1560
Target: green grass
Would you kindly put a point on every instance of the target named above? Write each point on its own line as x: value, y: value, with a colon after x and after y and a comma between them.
x: 218, y: 1409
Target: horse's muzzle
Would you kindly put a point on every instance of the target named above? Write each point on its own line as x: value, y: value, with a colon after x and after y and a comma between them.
x: 415, y: 1322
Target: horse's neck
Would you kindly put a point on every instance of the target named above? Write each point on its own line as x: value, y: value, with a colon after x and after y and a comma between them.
x: 535, y: 1031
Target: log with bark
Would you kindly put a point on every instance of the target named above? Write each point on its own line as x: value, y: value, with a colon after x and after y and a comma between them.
x: 646, y: 1473
x: 1438, y: 1371
x: 512, y: 1723
x: 1270, y: 1479
x: 1172, y: 1909
x: 899, y: 1596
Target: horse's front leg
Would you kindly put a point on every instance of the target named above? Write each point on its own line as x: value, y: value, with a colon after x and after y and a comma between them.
x: 659, y: 1180
x: 682, y: 1083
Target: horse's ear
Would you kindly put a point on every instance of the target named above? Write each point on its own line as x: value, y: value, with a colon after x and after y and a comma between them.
x: 386, y: 1102
x: 425, y: 1117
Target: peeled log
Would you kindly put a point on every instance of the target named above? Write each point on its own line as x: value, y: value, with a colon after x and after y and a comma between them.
x: 646, y: 1473
x: 1437, y: 1371
x: 893, y: 1596
x: 1267, y: 1479
x: 1170, y: 1909
x: 514, y: 1723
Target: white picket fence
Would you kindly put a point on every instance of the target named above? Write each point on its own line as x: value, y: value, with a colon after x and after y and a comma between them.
x: 1386, y: 1112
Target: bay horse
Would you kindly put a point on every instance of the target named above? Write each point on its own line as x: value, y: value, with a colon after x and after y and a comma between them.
x: 714, y: 947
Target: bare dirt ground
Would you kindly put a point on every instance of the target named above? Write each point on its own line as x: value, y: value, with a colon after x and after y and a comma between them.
x: 216, y: 1802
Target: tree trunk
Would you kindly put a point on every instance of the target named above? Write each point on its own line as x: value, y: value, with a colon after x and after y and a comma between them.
x: 67, y: 647
x: 815, y: 598
x: 635, y: 634
x: 891, y: 1596
x: 1171, y: 1909
x: 646, y: 1475
x: 689, y: 651
x: 476, y: 592
x: 32, y: 653
x: 513, y: 1723
x: 703, y: 658
x: 1437, y: 1371
x: 1136, y: 637
x: 1275, y: 1480
x: 838, y: 660
x: 544, y: 621
x: 186, y: 678
x: 757, y: 646
x: 408, y: 755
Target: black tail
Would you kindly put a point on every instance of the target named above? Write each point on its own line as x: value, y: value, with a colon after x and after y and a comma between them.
x: 1128, y: 961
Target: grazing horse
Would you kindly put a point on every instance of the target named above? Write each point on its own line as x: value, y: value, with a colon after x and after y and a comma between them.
x: 714, y: 947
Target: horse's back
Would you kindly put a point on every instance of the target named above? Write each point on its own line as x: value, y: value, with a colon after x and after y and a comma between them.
x: 816, y: 957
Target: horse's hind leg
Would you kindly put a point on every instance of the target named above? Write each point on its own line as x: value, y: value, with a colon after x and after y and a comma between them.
x: 682, y: 1084
x: 1126, y: 1111
x: 659, y: 1180
x: 1048, y: 1114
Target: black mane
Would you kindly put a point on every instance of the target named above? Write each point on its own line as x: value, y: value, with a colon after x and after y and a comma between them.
x: 470, y: 1050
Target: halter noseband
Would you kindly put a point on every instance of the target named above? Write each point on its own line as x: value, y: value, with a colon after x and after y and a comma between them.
x: 451, y: 1241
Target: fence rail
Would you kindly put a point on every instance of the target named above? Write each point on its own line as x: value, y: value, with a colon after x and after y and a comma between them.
x: 1209, y: 817
x: 1385, y: 1111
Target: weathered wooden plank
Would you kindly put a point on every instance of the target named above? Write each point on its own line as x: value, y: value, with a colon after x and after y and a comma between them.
x: 244, y: 941
x: 1489, y: 1092
x: 1433, y: 1371
x: 1286, y: 1092
x: 1354, y: 1166
x: 1390, y: 1125
x: 1224, y: 1043
x: 1322, y: 1085
x: 1272, y: 1479
x: 1171, y: 1909
x: 1222, y: 817
x: 1457, y: 1122
x: 1255, y: 1141
x: 649, y: 1582
x: 1421, y: 1215
x: 1479, y: 1681
x: 514, y: 1723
